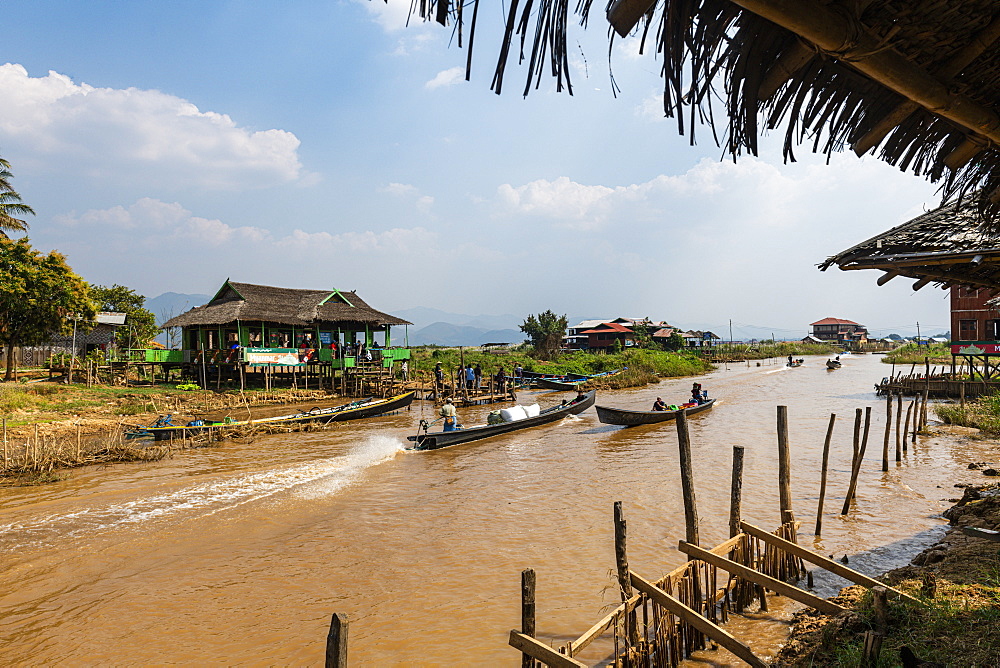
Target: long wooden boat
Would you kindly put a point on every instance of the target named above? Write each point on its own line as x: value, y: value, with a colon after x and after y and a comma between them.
x: 442, y: 439
x: 355, y: 410
x: 794, y: 363
x: 833, y: 364
x: 572, y: 381
x: 625, y: 418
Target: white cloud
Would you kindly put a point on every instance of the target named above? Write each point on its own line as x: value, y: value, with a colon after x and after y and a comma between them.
x: 448, y: 77
x: 391, y: 16
x: 152, y: 219
x: 405, y: 190
x: 105, y: 132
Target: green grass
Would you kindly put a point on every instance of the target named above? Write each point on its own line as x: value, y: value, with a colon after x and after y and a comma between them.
x: 982, y: 413
x: 911, y: 353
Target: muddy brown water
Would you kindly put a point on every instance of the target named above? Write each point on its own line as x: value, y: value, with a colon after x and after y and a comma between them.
x: 239, y: 554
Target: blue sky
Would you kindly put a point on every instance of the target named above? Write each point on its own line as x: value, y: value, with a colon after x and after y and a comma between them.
x: 168, y: 146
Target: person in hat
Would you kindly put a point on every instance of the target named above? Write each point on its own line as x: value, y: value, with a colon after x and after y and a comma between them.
x: 448, y: 414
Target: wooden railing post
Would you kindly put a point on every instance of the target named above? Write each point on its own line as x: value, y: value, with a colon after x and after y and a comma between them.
x: 527, y: 611
x: 822, y: 476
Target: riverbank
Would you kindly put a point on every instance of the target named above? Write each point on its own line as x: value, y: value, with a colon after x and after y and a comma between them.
x: 958, y: 580
x: 52, y: 427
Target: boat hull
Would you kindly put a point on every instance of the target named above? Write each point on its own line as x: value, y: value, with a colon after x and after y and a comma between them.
x: 552, y: 384
x: 626, y: 418
x: 351, y: 411
x: 444, y: 439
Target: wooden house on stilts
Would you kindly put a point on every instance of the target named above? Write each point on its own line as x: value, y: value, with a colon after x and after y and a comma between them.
x: 261, y: 334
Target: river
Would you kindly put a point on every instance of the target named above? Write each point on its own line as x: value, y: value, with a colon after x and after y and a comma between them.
x: 239, y: 554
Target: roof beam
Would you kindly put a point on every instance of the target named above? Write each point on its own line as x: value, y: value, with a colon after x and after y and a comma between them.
x: 922, y: 282
x: 835, y: 35
x: 991, y: 281
x: 789, y: 62
x: 886, y: 277
x: 624, y: 14
x: 952, y: 68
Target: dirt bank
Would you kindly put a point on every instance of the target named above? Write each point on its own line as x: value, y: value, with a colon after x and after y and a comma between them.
x: 958, y: 579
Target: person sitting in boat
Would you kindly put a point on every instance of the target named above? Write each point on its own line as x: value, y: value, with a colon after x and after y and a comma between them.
x: 449, y: 415
x: 696, y: 396
x: 659, y: 405
x: 580, y: 395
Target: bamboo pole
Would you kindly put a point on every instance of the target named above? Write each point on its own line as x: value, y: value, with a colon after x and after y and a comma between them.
x: 687, y: 481
x: 888, y: 432
x: 822, y: 478
x: 784, y: 468
x: 736, y: 491
x: 856, y: 468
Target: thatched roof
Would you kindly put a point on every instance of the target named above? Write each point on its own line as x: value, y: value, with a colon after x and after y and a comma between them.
x: 263, y: 303
x: 944, y: 246
x: 917, y: 81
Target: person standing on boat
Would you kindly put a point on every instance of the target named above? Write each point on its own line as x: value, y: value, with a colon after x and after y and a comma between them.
x: 448, y: 415
x: 790, y: 360
x: 659, y: 405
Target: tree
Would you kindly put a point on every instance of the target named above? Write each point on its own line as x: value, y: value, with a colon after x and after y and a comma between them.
x: 546, y: 332
x: 140, y: 323
x: 38, y: 294
x: 10, y: 204
x: 675, y: 342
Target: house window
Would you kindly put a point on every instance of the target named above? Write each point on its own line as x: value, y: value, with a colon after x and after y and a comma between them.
x: 967, y: 330
x: 992, y: 332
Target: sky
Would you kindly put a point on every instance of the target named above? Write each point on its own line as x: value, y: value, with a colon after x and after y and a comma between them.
x: 326, y: 144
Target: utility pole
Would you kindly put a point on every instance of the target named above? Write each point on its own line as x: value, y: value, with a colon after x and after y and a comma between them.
x: 918, y: 333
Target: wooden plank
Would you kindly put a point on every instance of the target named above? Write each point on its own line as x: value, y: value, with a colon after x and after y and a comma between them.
x: 757, y: 577
x: 813, y: 558
x: 716, y: 633
x: 976, y: 532
x: 595, y: 631
x: 542, y: 652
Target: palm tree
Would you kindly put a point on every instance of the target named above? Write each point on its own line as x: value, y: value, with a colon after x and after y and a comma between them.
x: 10, y: 204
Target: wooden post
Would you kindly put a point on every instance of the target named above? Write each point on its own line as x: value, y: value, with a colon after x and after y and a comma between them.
x: 736, y: 491
x: 857, y: 434
x: 822, y: 478
x: 880, y: 602
x: 687, y: 481
x: 961, y: 396
x: 872, y: 649
x: 4, y: 442
x: 899, y: 418
x: 336, y: 642
x: 888, y: 432
x: 856, y: 469
x: 527, y: 611
x: 784, y: 468
x: 78, y: 441
x: 906, y: 423
x: 621, y: 556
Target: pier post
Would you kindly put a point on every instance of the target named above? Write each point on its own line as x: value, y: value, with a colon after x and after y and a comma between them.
x: 857, y: 434
x: 736, y: 491
x: 687, y: 481
x: 822, y: 475
x: 527, y: 611
x: 621, y: 556
x: 336, y: 642
x: 784, y: 468
x: 906, y: 423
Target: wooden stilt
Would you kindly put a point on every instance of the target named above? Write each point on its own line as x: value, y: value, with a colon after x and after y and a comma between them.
x: 888, y: 432
x: 527, y: 611
x: 336, y: 642
x: 784, y: 467
x: 687, y: 481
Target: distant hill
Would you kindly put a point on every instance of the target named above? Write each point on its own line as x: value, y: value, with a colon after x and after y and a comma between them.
x: 423, y: 316
x: 171, y: 304
x: 448, y: 334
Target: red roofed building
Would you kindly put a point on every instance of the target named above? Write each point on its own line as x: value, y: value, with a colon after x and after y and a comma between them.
x: 844, y: 332
x: 605, y: 335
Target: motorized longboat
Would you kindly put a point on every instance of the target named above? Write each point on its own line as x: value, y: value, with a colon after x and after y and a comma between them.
x: 833, y: 364
x: 795, y: 363
x: 626, y: 418
x: 163, y: 429
x: 442, y: 439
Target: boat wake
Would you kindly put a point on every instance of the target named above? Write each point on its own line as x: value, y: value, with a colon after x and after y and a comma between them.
x: 309, y: 479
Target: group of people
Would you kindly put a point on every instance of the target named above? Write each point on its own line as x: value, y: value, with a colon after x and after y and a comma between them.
x: 698, y: 397
x: 470, y: 377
